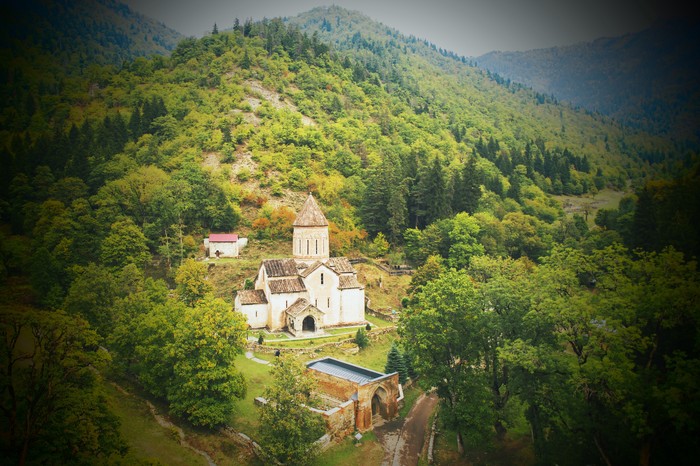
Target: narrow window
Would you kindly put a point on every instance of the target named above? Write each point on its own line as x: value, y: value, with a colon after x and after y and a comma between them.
x: 329, y: 303
x: 321, y: 279
x: 256, y: 314
x: 316, y: 302
x: 316, y: 247
x: 286, y: 304
x: 307, y: 247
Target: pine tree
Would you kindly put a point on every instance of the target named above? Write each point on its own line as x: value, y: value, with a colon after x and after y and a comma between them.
x: 361, y: 338
x: 432, y: 195
x: 395, y: 363
x: 246, y: 62
x: 467, y: 188
x: 135, y: 123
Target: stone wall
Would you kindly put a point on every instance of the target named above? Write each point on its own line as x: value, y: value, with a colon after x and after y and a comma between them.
x: 335, y: 387
x: 340, y: 421
x: 271, y: 349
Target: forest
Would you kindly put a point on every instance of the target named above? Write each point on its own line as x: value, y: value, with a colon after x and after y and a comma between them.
x: 583, y: 326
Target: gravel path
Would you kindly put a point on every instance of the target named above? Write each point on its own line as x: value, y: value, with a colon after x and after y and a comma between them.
x: 403, y: 439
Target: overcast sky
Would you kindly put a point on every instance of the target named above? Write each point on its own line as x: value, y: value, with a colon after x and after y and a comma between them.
x: 467, y: 27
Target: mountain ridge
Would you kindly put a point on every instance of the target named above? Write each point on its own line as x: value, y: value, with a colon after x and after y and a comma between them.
x: 82, y: 32
x: 646, y: 80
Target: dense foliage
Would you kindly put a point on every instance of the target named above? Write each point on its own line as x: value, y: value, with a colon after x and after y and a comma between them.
x: 600, y: 350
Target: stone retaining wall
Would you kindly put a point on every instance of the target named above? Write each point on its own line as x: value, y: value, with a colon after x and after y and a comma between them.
x: 269, y: 349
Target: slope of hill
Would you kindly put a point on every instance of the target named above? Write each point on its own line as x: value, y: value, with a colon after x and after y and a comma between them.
x: 79, y: 33
x: 648, y: 80
x: 474, y: 103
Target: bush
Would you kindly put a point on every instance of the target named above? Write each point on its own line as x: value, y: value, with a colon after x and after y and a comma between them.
x: 361, y: 338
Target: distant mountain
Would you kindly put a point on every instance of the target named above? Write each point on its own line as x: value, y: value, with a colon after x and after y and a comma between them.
x: 649, y: 80
x: 80, y: 32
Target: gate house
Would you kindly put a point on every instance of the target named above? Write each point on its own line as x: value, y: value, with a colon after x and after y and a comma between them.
x: 374, y: 394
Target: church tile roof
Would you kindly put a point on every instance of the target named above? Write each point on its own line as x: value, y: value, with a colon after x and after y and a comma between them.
x: 348, y: 281
x: 252, y: 297
x: 307, y: 271
x: 300, y: 306
x: 310, y: 215
x: 287, y: 285
x: 340, y: 265
x: 280, y: 267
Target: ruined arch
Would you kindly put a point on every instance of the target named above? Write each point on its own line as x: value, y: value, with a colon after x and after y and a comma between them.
x: 379, y: 402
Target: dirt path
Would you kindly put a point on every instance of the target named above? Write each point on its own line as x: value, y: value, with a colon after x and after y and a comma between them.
x: 403, y: 439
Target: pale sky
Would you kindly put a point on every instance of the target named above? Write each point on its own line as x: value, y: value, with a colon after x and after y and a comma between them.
x: 467, y: 27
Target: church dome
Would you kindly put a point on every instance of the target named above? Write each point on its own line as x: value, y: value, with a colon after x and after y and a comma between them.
x: 310, y: 215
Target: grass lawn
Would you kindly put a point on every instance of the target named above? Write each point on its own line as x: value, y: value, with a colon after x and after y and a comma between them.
x: 391, y: 291
x: 147, y: 439
x: 343, y: 330
x: 372, y: 357
x: 246, y: 417
x: 350, y: 453
x: 603, y: 199
x: 377, y: 322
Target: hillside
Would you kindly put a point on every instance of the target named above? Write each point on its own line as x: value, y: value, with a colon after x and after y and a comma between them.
x: 647, y: 80
x: 79, y: 33
x: 474, y: 103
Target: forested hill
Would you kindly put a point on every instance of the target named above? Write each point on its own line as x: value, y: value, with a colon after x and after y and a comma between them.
x: 647, y: 79
x: 78, y: 33
x: 472, y: 103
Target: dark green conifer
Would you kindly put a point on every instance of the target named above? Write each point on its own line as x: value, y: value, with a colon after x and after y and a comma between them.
x: 395, y: 363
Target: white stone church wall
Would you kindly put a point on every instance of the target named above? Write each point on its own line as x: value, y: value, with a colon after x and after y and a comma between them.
x: 353, y: 305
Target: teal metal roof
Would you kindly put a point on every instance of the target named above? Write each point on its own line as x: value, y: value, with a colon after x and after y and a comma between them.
x: 345, y: 370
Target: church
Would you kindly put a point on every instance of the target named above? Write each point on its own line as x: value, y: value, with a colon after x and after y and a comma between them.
x: 309, y: 291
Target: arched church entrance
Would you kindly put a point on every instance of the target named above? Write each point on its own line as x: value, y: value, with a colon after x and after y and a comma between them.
x: 379, y: 400
x: 308, y: 325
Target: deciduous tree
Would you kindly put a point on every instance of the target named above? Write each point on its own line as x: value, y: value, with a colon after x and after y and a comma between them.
x: 288, y: 428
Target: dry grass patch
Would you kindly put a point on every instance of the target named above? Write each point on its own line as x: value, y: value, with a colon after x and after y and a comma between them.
x: 384, y: 290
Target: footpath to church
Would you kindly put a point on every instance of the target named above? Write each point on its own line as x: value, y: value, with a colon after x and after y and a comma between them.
x: 252, y: 357
x: 404, y: 439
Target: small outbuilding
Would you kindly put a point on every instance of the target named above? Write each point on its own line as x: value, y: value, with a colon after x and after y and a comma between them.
x: 224, y: 245
x: 370, y: 394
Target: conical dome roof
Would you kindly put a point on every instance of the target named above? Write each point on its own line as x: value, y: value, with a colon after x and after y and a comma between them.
x: 310, y: 215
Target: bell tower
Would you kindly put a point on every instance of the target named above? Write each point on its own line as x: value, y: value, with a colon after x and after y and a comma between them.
x: 310, y: 241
